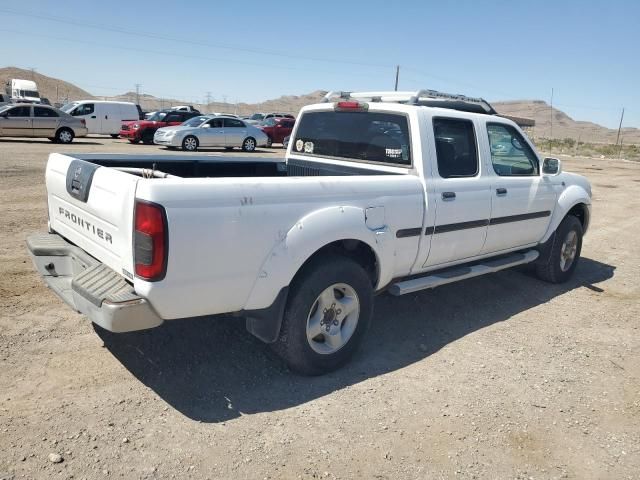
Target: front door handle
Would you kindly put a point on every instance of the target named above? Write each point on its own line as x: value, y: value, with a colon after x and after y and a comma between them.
x: 448, y: 195
x: 93, y: 116
x: 501, y: 191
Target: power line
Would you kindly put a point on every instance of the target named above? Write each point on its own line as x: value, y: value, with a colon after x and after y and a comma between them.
x: 240, y: 48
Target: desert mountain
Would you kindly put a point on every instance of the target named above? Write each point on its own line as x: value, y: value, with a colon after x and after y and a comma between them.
x: 563, y: 125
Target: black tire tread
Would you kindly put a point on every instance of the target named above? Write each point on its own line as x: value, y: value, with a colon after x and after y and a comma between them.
x: 548, y: 266
x: 292, y: 345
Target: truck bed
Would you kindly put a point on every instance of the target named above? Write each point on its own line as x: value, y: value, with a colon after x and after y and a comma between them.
x: 202, y: 166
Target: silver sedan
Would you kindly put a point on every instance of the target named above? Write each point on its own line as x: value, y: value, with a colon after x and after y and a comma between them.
x: 28, y: 120
x: 211, y: 131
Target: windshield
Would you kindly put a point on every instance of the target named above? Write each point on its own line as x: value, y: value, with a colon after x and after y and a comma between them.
x: 257, y: 116
x: 195, y: 121
x: 29, y: 93
x: 68, y: 107
x: 156, y: 117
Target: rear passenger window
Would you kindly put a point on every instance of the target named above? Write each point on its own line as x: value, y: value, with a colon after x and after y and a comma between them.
x: 233, y: 123
x: 366, y: 136
x: 44, y: 112
x: 455, y: 147
x: 510, y: 154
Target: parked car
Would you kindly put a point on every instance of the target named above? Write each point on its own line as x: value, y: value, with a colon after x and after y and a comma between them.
x: 299, y: 249
x: 185, y: 108
x: 31, y: 120
x: 143, y: 130
x: 103, y: 117
x: 285, y: 142
x: 207, y: 131
x: 255, y: 119
x: 277, y: 129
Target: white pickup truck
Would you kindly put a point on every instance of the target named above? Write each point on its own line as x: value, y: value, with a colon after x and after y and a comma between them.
x: 380, y: 191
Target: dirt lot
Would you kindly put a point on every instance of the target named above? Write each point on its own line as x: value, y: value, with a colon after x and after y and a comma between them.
x: 497, y: 377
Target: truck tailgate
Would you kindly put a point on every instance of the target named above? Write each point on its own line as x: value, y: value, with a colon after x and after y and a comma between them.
x: 93, y: 207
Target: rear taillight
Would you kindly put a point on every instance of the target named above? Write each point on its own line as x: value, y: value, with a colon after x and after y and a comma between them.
x: 150, y: 244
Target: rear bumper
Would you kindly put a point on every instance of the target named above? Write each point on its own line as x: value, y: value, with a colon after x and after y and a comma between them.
x: 88, y: 286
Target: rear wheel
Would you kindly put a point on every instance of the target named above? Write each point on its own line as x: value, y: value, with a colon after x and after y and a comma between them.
x: 249, y: 144
x: 269, y: 142
x: 64, y: 135
x: 115, y: 135
x: 190, y: 143
x: 560, y: 254
x: 328, y: 311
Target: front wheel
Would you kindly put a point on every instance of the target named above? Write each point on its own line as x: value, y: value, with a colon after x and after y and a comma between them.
x: 147, y: 137
x: 115, y: 135
x: 190, y: 144
x: 64, y: 135
x: 328, y: 311
x: 249, y: 144
x: 560, y: 254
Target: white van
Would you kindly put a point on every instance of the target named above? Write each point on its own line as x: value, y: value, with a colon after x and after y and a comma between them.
x: 103, y: 117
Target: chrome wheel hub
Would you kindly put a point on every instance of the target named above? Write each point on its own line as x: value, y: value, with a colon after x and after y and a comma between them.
x: 568, y: 251
x: 333, y: 318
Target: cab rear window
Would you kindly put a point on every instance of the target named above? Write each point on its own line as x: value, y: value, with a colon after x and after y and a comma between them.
x: 365, y: 136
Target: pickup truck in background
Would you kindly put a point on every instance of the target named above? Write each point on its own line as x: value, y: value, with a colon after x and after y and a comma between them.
x: 380, y: 191
x: 143, y: 130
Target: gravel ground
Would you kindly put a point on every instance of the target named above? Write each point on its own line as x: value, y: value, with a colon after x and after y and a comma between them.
x: 501, y: 376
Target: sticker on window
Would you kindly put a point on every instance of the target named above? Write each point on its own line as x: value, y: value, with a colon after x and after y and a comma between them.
x: 393, y: 152
x: 308, y: 147
x: 299, y: 145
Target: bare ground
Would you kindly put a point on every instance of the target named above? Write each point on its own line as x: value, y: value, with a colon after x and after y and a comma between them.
x: 496, y: 377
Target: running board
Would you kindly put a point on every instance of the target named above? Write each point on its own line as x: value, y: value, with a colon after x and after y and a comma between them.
x: 455, y: 274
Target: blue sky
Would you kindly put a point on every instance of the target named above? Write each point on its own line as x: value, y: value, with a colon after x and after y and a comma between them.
x: 250, y: 51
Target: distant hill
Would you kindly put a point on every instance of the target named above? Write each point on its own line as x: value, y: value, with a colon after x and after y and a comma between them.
x: 52, y: 88
x: 563, y: 126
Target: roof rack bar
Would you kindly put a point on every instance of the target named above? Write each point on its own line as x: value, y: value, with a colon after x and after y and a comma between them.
x: 450, y: 96
x: 410, y: 98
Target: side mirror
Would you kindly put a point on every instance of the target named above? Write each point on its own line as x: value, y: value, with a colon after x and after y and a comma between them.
x: 551, y: 166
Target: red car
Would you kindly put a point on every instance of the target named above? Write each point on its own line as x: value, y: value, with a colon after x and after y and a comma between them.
x: 277, y: 129
x: 143, y: 130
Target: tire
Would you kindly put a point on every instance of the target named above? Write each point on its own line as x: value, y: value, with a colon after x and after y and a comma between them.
x: 115, y: 135
x: 269, y: 142
x: 249, y: 144
x: 134, y: 140
x: 321, y: 285
x: 560, y: 254
x: 147, y: 137
x: 53, y: 139
x: 190, y: 143
x: 64, y: 135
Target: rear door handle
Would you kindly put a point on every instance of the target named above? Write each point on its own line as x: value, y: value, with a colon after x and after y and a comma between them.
x: 501, y: 191
x: 448, y: 195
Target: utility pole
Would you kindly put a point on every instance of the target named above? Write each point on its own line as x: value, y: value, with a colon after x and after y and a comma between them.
x: 33, y: 73
x: 551, y: 112
x: 397, y: 75
x: 138, y: 93
x: 208, y: 98
x: 620, y: 127
x: 224, y: 100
